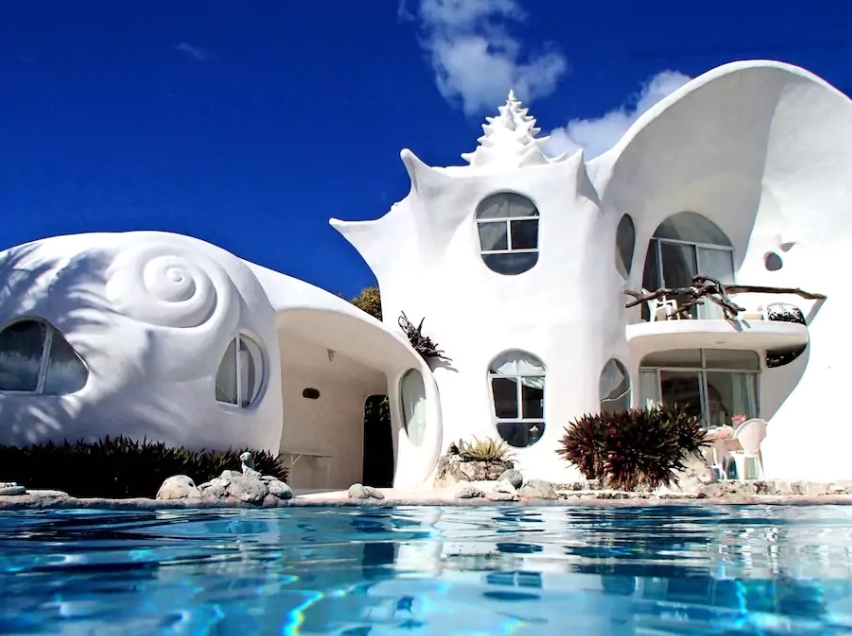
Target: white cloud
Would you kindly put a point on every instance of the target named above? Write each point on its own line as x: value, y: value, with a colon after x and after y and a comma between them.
x: 197, y: 54
x: 599, y: 135
x: 475, y: 59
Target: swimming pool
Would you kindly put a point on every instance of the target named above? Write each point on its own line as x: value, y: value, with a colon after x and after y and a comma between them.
x: 429, y: 570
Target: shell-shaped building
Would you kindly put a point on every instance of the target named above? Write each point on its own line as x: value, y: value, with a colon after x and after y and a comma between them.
x: 525, y: 269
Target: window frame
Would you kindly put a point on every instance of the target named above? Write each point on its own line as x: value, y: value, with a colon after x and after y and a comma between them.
x: 508, y: 221
x: 518, y: 395
x: 261, y: 383
x: 702, y: 372
x: 44, y: 362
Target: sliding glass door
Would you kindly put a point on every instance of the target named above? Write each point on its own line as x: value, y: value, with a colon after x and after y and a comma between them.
x: 718, y: 386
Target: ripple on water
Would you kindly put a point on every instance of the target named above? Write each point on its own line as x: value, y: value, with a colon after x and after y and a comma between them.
x: 511, y: 570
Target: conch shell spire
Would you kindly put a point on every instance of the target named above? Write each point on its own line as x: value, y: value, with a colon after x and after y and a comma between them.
x: 509, y: 140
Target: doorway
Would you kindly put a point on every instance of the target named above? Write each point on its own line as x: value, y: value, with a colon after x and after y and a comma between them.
x: 378, y: 443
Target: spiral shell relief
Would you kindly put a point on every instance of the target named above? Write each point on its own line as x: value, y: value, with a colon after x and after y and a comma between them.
x: 168, y: 286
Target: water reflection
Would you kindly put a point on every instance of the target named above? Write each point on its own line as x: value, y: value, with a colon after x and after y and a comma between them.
x: 661, y: 570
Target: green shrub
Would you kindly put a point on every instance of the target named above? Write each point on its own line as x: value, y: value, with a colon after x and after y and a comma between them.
x: 627, y: 449
x: 486, y: 450
x: 119, y: 467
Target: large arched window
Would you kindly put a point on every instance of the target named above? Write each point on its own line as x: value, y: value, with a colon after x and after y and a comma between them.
x: 241, y: 373
x: 717, y: 385
x: 36, y: 358
x: 684, y: 245
x: 412, y: 393
x: 508, y: 233
x: 517, y: 386
x: 614, y: 387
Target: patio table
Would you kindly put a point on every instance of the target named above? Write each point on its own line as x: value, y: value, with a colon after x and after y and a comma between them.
x: 723, y: 434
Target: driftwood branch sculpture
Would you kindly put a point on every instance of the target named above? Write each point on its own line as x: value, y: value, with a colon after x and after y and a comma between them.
x: 422, y: 344
x: 706, y: 288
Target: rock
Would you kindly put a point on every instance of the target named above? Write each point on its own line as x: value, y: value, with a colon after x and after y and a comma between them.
x: 452, y: 470
x: 11, y: 491
x: 227, y: 475
x: 48, y: 494
x: 279, y: 489
x: 359, y: 491
x: 538, y: 489
x: 247, y: 489
x: 215, y: 492
x: 178, y: 487
x: 503, y: 491
x: 513, y: 476
x: 218, y: 482
x: 468, y: 491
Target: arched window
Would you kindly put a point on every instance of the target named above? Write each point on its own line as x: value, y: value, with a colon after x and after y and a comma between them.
x: 508, y: 233
x: 614, y: 387
x: 686, y: 244
x: 241, y: 373
x: 517, y: 386
x: 625, y: 244
x: 412, y: 393
x: 36, y: 358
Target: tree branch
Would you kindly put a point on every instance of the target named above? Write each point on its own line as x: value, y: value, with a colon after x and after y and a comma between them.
x: 706, y: 288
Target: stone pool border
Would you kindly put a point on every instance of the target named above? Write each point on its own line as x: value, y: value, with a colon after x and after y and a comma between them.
x: 31, y: 502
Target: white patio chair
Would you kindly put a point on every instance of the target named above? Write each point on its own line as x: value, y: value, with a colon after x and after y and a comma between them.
x: 750, y: 435
x: 667, y: 305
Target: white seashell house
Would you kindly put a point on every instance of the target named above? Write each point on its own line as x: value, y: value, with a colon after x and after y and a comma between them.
x: 519, y: 263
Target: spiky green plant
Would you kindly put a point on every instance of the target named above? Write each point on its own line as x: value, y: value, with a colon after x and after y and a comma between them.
x: 487, y: 450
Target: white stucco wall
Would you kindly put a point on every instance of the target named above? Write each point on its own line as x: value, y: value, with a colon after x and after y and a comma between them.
x: 151, y: 314
x: 760, y: 148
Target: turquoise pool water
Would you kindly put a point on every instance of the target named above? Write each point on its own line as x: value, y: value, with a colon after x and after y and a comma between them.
x: 419, y: 570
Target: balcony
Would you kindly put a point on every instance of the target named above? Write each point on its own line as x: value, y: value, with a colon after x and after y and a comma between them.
x: 716, y: 316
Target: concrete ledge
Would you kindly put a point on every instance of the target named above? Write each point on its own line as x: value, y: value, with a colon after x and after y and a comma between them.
x: 30, y: 502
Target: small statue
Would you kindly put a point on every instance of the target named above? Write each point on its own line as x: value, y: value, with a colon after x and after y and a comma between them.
x: 248, y: 466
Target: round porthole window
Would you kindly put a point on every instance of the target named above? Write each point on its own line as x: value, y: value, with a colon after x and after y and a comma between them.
x: 773, y: 262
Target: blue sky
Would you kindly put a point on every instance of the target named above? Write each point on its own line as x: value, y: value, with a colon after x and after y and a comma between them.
x: 249, y: 127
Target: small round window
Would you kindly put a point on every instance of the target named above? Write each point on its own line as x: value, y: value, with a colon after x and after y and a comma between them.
x: 241, y: 373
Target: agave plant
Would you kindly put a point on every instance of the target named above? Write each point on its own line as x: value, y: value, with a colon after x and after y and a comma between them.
x: 486, y: 450
x: 628, y: 449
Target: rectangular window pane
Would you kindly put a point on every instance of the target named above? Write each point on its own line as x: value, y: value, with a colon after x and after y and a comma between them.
x: 524, y: 234
x: 493, y: 236
x: 650, y: 276
x: 730, y: 359
x: 532, y: 396
x: 505, y: 392
x: 226, y: 377
x: 649, y: 389
x: 729, y: 396
x: 682, y: 389
x: 21, y: 350
x: 510, y: 263
x: 678, y: 268
x: 676, y: 358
